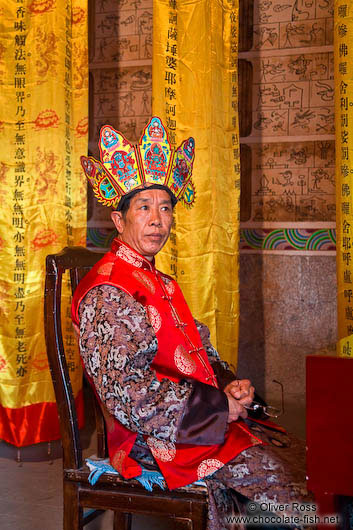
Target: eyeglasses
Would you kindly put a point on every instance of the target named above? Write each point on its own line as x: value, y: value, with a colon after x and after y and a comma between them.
x: 270, y: 411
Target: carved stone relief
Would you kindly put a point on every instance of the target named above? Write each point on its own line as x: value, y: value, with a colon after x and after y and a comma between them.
x: 293, y: 181
x: 292, y: 101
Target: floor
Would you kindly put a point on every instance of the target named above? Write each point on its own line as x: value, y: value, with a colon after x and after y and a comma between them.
x: 31, y: 492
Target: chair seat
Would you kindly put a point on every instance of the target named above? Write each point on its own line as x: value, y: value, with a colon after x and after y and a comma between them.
x: 112, y: 479
x: 111, y: 492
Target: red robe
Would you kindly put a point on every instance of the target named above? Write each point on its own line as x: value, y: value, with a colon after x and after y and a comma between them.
x: 180, y: 355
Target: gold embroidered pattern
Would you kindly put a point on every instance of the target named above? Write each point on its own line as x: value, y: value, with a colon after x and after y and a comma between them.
x: 169, y: 285
x: 118, y: 460
x: 170, y: 288
x: 154, y: 317
x: 106, y: 268
x: 183, y: 361
x: 209, y: 466
x: 147, y: 282
x: 164, y: 451
x: 128, y: 255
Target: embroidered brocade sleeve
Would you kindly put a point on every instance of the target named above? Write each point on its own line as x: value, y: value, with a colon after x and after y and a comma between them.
x: 221, y: 368
x: 118, y: 345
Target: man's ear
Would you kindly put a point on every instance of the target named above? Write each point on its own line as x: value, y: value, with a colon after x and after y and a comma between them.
x: 118, y: 220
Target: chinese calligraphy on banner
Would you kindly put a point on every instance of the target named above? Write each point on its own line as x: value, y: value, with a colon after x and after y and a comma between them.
x: 195, y: 91
x: 344, y: 171
x: 43, y: 131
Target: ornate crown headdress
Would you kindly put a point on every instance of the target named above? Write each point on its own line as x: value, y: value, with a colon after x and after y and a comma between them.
x: 125, y: 167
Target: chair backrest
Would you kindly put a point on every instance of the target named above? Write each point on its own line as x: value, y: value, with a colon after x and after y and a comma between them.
x: 78, y: 261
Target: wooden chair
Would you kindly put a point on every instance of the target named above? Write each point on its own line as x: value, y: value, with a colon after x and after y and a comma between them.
x: 186, y: 507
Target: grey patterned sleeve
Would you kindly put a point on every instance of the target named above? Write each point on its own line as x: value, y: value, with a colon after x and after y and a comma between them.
x: 118, y: 345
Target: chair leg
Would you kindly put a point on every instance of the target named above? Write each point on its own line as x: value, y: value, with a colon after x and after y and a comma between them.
x: 122, y: 521
x: 198, y: 524
x: 182, y: 524
x: 73, y: 512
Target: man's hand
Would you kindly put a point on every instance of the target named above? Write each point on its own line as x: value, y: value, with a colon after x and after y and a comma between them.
x: 236, y: 410
x: 242, y: 390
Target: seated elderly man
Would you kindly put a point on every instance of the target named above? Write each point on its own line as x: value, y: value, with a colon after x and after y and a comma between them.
x: 168, y: 399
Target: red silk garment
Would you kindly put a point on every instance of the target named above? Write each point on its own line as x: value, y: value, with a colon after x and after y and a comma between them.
x: 180, y: 355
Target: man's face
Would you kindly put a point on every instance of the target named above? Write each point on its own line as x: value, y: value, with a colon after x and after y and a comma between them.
x: 147, y: 222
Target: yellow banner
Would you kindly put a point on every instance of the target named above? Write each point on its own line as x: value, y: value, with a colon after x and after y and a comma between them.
x: 195, y: 90
x: 343, y: 43
x: 43, y: 131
